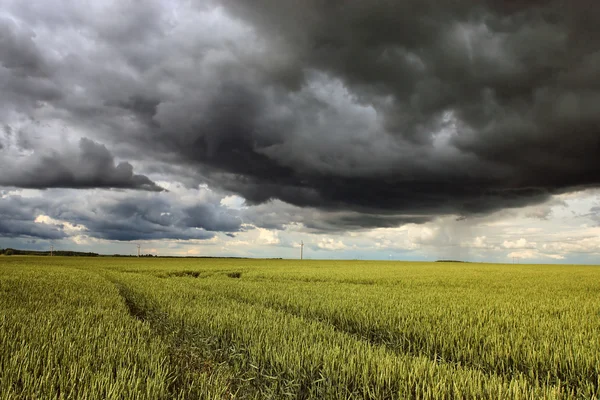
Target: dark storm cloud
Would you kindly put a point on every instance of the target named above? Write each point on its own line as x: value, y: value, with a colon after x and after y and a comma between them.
x: 122, y: 216
x: 505, y: 83
x: 374, y: 113
x: 89, y: 167
x: 475, y: 104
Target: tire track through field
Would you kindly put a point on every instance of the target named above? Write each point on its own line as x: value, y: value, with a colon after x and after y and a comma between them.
x: 213, y: 352
x: 192, y: 354
x: 404, y: 346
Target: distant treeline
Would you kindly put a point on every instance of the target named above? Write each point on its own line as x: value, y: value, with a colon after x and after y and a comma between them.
x: 69, y: 253
x: 454, y: 261
x: 64, y: 253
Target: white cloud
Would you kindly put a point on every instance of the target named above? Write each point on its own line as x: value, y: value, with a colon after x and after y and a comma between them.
x: 522, y: 243
x: 532, y: 255
x: 424, y: 234
x: 233, y: 202
x: 480, y: 242
x: 331, y: 244
x: 268, y: 237
x: 66, y: 226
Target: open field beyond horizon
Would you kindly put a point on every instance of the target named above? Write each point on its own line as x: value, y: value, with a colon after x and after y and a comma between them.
x: 151, y: 328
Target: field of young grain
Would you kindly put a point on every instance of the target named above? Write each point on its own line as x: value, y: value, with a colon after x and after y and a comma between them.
x: 126, y: 328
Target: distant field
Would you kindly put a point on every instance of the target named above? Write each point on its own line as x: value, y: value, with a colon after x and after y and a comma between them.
x: 123, y: 328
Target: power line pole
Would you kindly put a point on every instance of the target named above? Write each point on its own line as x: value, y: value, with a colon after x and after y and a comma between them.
x: 138, y: 247
x: 51, y: 250
x: 302, y: 249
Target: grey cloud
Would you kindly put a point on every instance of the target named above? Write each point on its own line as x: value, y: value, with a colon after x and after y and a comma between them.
x: 26, y: 72
x: 19, y: 52
x: 374, y: 114
x: 144, y: 217
x: 89, y: 167
x: 17, y: 217
x: 211, y: 218
x: 594, y: 214
x: 121, y: 216
x: 12, y: 228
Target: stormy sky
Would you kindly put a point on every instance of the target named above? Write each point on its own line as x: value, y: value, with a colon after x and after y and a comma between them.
x: 417, y: 129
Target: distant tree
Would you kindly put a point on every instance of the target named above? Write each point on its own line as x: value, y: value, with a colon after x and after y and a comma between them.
x: 8, y: 252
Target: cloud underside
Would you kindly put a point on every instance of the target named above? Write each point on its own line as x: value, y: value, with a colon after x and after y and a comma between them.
x: 89, y: 166
x: 372, y: 113
x: 120, y: 216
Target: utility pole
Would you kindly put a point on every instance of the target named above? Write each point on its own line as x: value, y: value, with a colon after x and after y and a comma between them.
x: 302, y: 249
x: 51, y: 250
x: 138, y: 246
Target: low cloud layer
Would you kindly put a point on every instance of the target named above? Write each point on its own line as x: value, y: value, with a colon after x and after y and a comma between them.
x: 124, y: 216
x: 203, y: 222
x: 364, y: 114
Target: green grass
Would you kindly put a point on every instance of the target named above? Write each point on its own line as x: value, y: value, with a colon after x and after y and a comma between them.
x: 120, y: 328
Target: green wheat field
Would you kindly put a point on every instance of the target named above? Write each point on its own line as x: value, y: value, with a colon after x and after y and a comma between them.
x: 151, y: 328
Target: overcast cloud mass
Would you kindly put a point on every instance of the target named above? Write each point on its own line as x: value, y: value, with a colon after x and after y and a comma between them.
x: 374, y: 129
